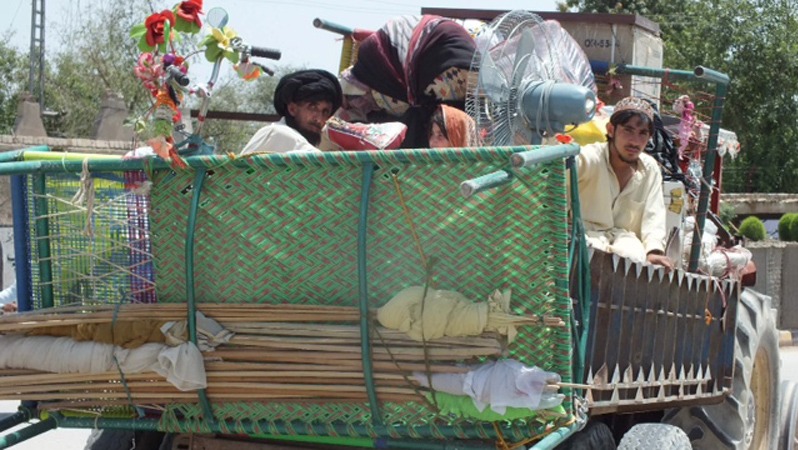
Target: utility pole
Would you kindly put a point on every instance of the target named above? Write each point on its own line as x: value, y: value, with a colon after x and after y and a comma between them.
x: 36, y: 76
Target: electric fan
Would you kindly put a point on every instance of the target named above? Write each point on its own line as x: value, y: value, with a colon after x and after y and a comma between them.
x: 532, y: 81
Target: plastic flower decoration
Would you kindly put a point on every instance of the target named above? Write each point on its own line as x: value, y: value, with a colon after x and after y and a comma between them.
x: 187, y: 14
x: 247, y: 70
x: 220, y: 44
x: 156, y: 66
x: 684, y: 107
x: 156, y: 31
x: 149, y: 72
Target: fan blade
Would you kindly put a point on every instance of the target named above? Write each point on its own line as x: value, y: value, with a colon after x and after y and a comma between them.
x: 491, y: 80
x: 524, y: 51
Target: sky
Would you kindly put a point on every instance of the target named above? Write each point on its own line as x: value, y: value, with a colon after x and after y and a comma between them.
x: 286, y: 25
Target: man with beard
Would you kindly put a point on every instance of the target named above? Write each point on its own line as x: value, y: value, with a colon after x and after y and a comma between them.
x: 620, y: 188
x: 305, y: 100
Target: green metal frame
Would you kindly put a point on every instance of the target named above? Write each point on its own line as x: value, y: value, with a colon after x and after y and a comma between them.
x: 39, y: 162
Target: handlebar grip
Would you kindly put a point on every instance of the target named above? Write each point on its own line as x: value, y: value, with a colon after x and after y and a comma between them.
x: 263, y: 52
x: 177, y: 75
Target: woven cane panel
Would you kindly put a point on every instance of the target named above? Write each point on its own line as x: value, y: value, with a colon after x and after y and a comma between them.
x: 509, y: 237
x: 281, y: 235
x: 284, y: 230
x: 309, y: 420
x: 108, y: 262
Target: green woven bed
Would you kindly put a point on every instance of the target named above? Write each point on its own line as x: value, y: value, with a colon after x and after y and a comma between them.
x: 337, y: 229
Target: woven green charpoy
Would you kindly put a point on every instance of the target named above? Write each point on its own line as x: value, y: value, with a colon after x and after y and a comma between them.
x: 108, y: 263
x: 284, y: 230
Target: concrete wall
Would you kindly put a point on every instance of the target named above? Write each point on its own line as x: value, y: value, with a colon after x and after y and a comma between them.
x: 777, y: 276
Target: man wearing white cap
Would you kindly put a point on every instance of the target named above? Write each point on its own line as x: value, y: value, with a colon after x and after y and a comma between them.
x: 620, y: 188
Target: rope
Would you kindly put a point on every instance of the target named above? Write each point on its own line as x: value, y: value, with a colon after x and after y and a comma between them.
x: 410, y: 223
x: 427, y: 284
x: 85, y: 194
x: 116, y: 361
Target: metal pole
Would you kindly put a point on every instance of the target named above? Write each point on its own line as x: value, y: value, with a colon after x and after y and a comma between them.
x: 41, y: 59
x: 27, y: 433
x: 32, y: 54
x: 36, y: 67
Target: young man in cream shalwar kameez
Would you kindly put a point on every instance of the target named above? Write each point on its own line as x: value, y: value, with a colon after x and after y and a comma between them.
x: 620, y: 188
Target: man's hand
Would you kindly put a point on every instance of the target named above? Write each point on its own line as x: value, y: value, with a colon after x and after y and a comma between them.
x: 660, y: 260
x: 10, y: 307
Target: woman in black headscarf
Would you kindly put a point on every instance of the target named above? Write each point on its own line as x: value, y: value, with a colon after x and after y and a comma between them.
x: 415, y: 63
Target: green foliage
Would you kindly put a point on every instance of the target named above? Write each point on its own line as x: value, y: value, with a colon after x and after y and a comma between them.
x: 98, y: 56
x: 753, y: 42
x: 753, y: 228
x: 13, y: 80
x: 727, y: 214
x: 785, y: 223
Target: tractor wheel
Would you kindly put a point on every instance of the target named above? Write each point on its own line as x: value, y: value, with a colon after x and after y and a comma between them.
x: 660, y: 436
x: 595, y: 436
x: 748, y: 418
x: 788, y: 430
x: 111, y: 439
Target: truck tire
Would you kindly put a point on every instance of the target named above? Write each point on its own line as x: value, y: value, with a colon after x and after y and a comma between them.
x: 788, y: 424
x: 660, y: 436
x: 111, y: 439
x: 748, y: 418
x: 595, y: 436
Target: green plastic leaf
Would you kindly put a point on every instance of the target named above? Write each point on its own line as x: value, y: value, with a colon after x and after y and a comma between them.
x: 208, y: 40
x: 162, y: 127
x: 184, y: 26
x: 212, y: 53
x: 181, y: 25
x: 231, y: 56
x: 143, y: 46
x: 140, y: 125
x: 167, y: 31
x: 138, y: 31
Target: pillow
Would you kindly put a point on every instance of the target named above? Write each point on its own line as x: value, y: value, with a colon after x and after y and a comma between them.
x: 344, y: 135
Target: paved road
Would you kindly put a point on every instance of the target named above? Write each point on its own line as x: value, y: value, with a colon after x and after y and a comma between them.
x: 69, y: 439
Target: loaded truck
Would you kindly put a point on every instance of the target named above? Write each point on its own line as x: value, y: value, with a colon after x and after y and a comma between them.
x: 238, y: 302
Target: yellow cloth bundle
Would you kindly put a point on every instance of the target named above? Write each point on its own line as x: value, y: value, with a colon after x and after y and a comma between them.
x: 447, y: 313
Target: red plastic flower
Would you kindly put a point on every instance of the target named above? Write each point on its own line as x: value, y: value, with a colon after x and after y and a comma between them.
x: 190, y: 11
x: 564, y: 138
x: 155, y: 26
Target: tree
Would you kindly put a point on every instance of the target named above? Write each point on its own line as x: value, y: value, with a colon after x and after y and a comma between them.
x: 99, y: 55
x: 752, y: 42
x: 12, y: 79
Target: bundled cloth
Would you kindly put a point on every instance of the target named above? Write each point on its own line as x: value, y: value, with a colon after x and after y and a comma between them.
x: 713, y: 260
x: 448, y: 313
x: 727, y: 262
x: 181, y: 365
x: 499, y: 385
x: 128, y: 346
